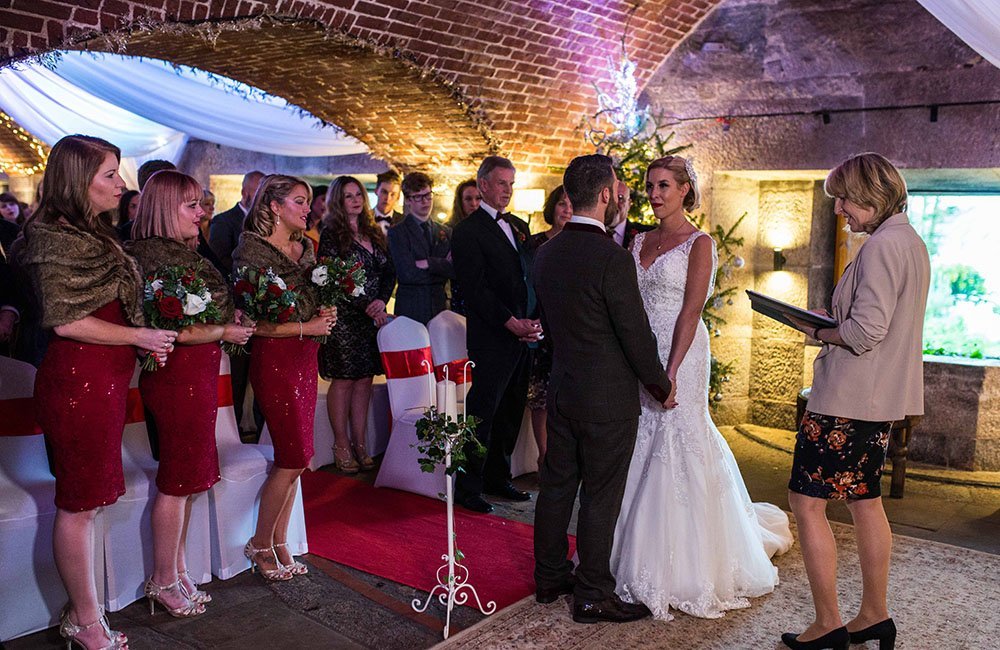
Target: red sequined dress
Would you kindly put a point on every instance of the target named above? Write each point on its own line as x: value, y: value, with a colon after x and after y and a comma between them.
x: 183, y: 395
x: 284, y: 371
x: 80, y: 393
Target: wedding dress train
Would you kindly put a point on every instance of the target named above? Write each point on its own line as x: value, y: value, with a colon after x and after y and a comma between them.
x: 688, y: 536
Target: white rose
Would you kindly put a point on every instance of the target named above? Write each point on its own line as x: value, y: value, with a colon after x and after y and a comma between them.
x: 194, y: 304
x: 206, y: 296
x: 281, y: 283
x: 157, y: 285
x: 358, y: 291
x: 320, y: 276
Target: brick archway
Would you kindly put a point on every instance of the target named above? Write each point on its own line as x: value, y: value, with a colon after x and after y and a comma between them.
x: 424, y: 83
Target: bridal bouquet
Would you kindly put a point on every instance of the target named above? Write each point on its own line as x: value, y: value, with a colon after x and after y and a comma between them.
x: 338, y: 280
x: 263, y: 295
x: 174, y: 297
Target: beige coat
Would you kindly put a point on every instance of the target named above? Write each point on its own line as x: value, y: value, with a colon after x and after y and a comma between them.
x: 879, y: 303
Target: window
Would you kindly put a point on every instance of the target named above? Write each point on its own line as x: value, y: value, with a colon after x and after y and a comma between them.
x: 962, y: 233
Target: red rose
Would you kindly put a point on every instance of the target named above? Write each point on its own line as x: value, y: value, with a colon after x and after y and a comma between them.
x: 188, y: 277
x: 244, y: 287
x: 274, y: 290
x: 349, y: 285
x: 170, y: 307
x: 285, y: 314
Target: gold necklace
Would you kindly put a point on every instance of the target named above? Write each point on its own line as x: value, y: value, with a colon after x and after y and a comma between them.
x: 659, y: 234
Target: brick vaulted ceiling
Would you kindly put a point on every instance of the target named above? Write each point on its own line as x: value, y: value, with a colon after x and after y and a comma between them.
x: 423, y: 83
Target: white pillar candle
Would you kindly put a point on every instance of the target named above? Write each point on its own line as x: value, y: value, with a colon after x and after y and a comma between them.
x: 447, y: 398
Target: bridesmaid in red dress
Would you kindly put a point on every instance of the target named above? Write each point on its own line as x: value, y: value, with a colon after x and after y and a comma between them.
x: 283, y: 361
x: 89, y: 292
x: 183, y: 395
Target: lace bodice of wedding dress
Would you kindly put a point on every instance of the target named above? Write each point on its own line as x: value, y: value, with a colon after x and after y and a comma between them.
x: 688, y: 536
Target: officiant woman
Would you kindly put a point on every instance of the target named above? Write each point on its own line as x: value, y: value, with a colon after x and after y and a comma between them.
x: 868, y: 374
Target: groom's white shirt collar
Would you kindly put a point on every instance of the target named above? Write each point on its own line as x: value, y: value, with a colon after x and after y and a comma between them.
x: 587, y: 221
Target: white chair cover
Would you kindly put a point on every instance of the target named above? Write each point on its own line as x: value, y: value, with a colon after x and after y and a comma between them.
x: 233, y: 500
x: 32, y: 594
x: 404, y: 343
x: 128, y: 533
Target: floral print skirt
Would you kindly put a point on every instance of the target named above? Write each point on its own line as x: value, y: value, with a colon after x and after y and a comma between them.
x: 839, y: 458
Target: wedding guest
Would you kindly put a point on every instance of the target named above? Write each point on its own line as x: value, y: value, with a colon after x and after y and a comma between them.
x: 623, y: 230
x: 491, y: 263
x: 128, y: 205
x: 317, y: 210
x: 350, y: 357
x: 421, y: 253
x: 145, y: 171
x: 10, y: 209
x: 224, y: 231
x: 203, y: 248
x: 556, y: 212
x: 466, y: 202
x: 223, y: 234
x: 868, y: 374
x: 283, y: 361
x: 166, y: 234
x: 9, y: 230
x: 10, y: 314
x: 89, y: 292
x: 387, y: 189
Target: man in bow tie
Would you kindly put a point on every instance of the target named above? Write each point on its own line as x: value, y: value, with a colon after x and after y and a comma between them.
x: 491, y: 266
x: 387, y: 188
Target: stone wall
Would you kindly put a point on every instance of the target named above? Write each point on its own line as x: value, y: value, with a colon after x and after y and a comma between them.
x: 961, y: 424
x: 780, y: 64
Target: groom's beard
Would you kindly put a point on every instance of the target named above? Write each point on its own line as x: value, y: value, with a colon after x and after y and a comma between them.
x: 611, y: 212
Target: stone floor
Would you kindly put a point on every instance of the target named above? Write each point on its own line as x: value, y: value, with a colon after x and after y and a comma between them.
x: 339, y: 607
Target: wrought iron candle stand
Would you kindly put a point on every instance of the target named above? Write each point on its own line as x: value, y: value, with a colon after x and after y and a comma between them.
x: 453, y: 576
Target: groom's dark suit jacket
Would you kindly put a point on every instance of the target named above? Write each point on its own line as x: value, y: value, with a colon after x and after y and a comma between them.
x: 592, y: 310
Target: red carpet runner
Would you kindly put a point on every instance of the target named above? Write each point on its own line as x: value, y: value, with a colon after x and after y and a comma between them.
x: 401, y: 537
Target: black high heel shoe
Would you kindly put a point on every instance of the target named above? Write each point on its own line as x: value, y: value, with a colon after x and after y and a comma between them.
x: 885, y: 632
x: 839, y: 639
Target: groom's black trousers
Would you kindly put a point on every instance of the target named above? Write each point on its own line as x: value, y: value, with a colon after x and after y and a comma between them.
x: 596, y: 454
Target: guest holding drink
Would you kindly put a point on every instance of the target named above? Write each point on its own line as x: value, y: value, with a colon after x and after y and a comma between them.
x: 350, y: 357
x: 283, y: 366
x: 89, y: 294
x: 182, y: 396
x: 556, y: 212
x: 868, y: 374
x: 466, y: 202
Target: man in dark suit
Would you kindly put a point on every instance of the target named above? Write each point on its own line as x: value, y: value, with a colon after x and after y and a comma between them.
x: 421, y: 253
x: 602, y: 342
x: 622, y: 230
x: 223, y: 235
x: 225, y: 229
x: 387, y: 188
x: 491, y: 267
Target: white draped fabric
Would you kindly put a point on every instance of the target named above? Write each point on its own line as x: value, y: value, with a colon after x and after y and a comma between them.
x: 149, y: 108
x: 977, y: 22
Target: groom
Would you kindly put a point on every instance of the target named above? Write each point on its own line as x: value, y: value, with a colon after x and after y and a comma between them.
x: 602, y: 342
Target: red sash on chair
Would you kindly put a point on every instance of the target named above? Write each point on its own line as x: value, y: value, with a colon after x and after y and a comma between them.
x: 457, y: 371
x: 403, y: 364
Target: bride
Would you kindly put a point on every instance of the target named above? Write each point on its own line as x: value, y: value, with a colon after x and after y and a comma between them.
x: 688, y: 537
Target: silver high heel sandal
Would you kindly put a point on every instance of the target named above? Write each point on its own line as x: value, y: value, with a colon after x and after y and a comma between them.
x: 70, y: 631
x: 199, y: 595
x: 153, y: 591
x: 296, y: 568
x: 280, y: 573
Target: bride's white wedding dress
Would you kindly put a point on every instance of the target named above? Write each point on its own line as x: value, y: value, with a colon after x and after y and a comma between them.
x: 688, y: 536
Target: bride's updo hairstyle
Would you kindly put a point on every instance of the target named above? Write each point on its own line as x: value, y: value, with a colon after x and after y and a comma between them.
x: 683, y: 172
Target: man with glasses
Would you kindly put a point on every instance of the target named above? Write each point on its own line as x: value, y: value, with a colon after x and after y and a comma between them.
x: 421, y: 253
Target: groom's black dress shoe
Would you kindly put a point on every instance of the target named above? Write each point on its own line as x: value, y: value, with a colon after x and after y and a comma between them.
x: 546, y: 595
x: 508, y: 491
x: 612, y: 609
x: 476, y: 503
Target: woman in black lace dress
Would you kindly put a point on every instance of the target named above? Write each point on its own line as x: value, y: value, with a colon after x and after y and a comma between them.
x: 350, y: 358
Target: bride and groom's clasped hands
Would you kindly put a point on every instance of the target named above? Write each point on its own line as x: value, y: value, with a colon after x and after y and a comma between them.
x: 665, y: 519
